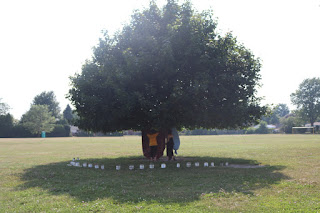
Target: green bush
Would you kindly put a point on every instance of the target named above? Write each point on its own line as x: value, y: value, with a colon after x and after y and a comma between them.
x: 6, y: 126
x: 288, y: 123
x: 20, y: 131
x: 262, y: 129
x: 250, y: 130
x: 60, y: 131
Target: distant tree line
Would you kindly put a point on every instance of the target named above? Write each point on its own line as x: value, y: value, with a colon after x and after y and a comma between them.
x: 279, y: 119
x: 212, y: 132
x: 307, y: 100
x: 43, y: 115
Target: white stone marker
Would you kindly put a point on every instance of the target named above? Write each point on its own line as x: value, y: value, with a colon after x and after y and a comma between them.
x: 227, y: 163
x: 131, y: 167
x: 212, y: 164
x: 205, y: 164
x: 141, y: 166
x: 84, y: 164
x: 151, y: 166
x: 188, y: 164
x: 118, y: 167
x: 90, y: 165
x: 102, y: 167
x: 196, y: 164
x: 178, y: 165
x: 96, y: 166
x: 163, y: 166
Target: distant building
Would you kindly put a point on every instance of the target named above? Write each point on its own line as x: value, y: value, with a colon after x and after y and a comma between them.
x: 314, y: 124
x: 74, y: 130
x: 269, y: 126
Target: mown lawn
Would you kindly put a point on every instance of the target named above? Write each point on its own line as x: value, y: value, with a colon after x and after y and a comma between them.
x: 34, y: 176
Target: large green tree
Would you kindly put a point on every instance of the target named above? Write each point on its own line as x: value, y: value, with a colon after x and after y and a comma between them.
x: 168, y: 68
x: 307, y: 99
x: 38, y: 119
x: 49, y: 99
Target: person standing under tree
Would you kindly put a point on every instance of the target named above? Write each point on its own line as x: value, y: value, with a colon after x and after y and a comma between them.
x: 153, y: 144
x: 170, y: 144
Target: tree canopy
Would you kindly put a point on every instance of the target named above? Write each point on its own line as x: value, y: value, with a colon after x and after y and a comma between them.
x: 274, y: 114
x: 38, y: 119
x: 6, y: 125
x: 307, y: 99
x: 67, y: 114
x: 4, y: 108
x: 281, y: 110
x: 288, y: 122
x: 49, y: 99
x: 168, y: 68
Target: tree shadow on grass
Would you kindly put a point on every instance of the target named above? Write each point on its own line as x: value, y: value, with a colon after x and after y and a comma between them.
x: 178, y: 185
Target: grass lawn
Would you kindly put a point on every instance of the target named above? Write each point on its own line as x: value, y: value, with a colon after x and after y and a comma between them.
x: 34, y: 176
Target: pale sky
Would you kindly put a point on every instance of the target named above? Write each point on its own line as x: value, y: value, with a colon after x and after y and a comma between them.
x: 44, y: 42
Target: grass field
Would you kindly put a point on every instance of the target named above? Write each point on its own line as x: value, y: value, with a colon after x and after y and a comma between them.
x: 34, y: 176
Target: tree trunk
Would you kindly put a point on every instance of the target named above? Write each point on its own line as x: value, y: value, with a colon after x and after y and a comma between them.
x: 160, y: 140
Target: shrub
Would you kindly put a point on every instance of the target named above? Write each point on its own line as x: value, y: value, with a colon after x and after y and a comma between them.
x: 60, y: 131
